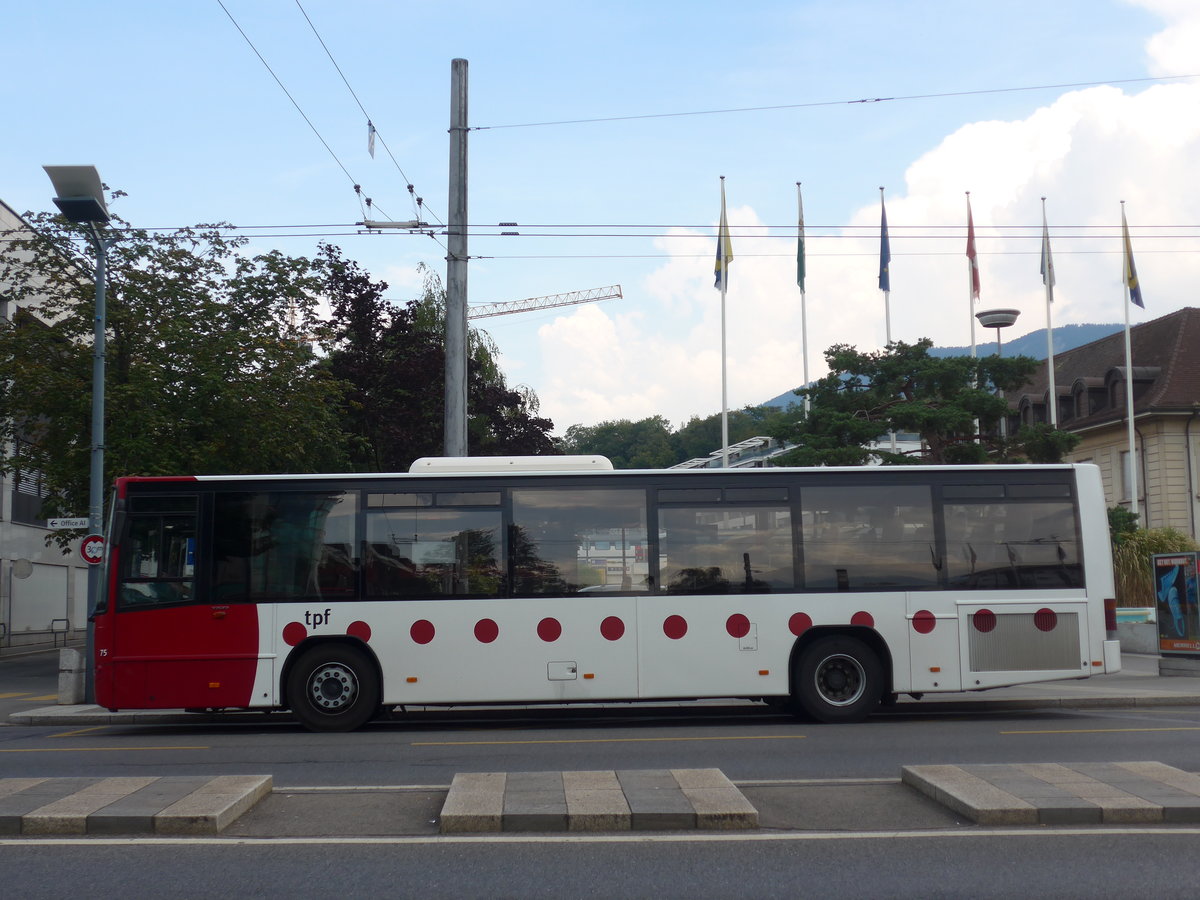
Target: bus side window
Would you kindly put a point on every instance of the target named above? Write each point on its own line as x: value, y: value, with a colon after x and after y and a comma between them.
x: 158, y: 552
x: 726, y: 549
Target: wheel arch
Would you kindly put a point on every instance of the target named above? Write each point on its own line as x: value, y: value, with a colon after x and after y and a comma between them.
x: 308, y: 644
x: 869, y: 636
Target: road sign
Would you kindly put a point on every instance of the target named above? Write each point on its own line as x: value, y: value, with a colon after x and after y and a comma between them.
x: 66, y: 524
x: 92, y: 549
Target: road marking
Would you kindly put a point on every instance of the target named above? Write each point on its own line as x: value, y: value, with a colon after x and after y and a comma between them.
x: 649, y: 740
x: 1103, y: 730
x: 14, y: 696
x: 1039, y: 834
x: 117, y: 749
x: 79, y: 731
x: 53, y: 696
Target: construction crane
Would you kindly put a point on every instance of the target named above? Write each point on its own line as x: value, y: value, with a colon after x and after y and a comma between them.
x: 485, y: 310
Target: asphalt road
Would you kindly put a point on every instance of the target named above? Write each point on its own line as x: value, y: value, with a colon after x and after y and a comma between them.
x: 834, y: 820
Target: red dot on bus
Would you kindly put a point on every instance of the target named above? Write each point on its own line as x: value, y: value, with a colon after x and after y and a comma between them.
x: 799, y: 623
x: 675, y: 627
x: 923, y: 622
x: 863, y: 618
x: 737, y: 625
x: 984, y: 620
x: 360, y: 630
x: 1045, y: 619
x: 421, y: 631
x: 294, y: 633
x: 612, y: 628
x: 549, y: 630
x: 486, y: 631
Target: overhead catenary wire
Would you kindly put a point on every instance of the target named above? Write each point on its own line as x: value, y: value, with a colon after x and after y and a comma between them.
x: 418, y: 202
x: 817, y: 103
x: 357, y: 189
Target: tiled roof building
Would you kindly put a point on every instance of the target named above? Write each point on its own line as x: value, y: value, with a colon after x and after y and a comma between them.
x: 1090, y: 386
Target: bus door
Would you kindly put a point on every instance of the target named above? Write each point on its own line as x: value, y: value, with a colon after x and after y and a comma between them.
x: 169, y: 648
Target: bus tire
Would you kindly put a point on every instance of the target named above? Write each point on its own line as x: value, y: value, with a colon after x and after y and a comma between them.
x: 838, y: 679
x: 333, y: 687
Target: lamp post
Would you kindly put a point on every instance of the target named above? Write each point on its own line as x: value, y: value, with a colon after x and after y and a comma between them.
x: 80, y: 197
x: 998, y: 318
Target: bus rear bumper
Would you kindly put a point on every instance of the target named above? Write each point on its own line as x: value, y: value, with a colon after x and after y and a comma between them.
x: 1112, y: 656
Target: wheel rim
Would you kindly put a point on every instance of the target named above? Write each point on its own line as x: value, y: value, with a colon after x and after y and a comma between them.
x: 840, y: 680
x: 333, y: 687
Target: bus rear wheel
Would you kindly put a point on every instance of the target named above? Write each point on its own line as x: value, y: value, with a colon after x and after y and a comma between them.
x: 333, y: 687
x: 838, y: 679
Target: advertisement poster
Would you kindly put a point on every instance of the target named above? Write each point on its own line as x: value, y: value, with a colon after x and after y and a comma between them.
x: 1176, y: 599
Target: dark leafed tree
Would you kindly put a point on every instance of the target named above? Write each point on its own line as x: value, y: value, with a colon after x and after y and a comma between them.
x: 206, y: 372
x: 392, y: 360
x: 905, y: 389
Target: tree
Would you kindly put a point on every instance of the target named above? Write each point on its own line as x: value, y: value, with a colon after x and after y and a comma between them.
x: 392, y: 361
x: 205, y: 369
x: 645, y: 444
x: 904, y: 389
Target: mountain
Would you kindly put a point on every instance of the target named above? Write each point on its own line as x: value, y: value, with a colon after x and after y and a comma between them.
x: 1066, y: 337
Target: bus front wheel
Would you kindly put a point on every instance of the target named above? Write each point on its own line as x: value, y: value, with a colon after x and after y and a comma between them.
x: 838, y: 679
x: 333, y: 687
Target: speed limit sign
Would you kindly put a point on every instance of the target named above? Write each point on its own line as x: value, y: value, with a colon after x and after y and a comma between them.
x: 91, y: 548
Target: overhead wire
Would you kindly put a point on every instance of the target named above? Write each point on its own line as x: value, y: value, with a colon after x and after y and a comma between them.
x: 418, y: 202
x: 816, y: 103
x: 303, y: 115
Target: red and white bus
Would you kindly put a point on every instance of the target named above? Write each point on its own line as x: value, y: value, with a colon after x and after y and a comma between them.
x: 557, y: 580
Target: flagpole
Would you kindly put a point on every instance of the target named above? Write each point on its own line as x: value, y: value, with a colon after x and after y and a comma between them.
x: 800, y: 272
x: 1127, y: 255
x: 1048, y: 279
x: 885, y: 280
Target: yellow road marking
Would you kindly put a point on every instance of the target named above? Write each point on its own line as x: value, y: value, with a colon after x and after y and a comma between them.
x: 649, y: 740
x: 117, y: 749
x: 43, y: 697
x: 1104, y: 730
x: 80, y: 731
x: 13, y: 696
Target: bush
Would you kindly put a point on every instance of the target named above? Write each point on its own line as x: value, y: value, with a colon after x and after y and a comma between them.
x: 1131, y: 561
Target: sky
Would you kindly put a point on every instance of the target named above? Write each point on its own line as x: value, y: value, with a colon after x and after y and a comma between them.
x: 176, y: 107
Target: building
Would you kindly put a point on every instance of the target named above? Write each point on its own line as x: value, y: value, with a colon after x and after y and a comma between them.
x: 1090, y: 388
x: 43, y: 592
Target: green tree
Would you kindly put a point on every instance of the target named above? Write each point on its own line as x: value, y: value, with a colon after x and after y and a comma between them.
x: 206, y: 372
x: 644, y: 444
x: 904, y: 389
x: 391, y: 360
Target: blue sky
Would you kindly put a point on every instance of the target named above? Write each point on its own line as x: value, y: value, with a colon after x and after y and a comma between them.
x: 172, y: 105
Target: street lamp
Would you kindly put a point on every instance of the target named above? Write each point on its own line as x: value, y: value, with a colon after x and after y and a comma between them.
x: 998, y: 318
x: 81, y: 199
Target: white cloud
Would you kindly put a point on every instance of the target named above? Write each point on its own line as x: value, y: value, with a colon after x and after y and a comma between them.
x: 1085, y: 152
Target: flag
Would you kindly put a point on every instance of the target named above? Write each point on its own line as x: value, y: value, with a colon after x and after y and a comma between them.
x: 800, y: 241
x: 1130, y: 274
x: 974, y: 259
x: 885, y: 248
x: 1047, y: 259
x: 724, y: 247
x: 371, y: 139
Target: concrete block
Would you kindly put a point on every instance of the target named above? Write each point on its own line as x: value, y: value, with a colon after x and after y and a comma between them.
x: 720, y: 808
x: 601, y: 809
x: 72, y: 671
x: 475, y: 803
x: 211, y: 808
x: 969, y: 795
x: 68, y: 815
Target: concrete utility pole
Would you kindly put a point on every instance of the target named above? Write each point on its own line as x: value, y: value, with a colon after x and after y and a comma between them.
x: 455, y: 440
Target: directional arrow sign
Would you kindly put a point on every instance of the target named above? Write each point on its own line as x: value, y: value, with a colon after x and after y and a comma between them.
x: 64, y: 524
